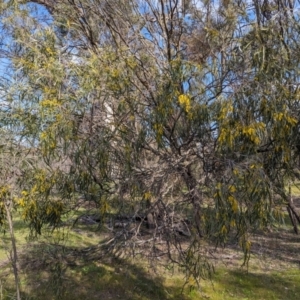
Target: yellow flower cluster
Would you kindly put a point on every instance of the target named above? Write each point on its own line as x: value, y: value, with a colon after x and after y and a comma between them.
x: 147, y: 196
x: 252, y: 131
x: 50, y: 103
x: 234, y: 204
x: 4, y: 192
x: 185, y: 102
x: 285, y: 117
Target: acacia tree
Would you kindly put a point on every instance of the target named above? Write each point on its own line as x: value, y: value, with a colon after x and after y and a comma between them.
x: 179, y: 115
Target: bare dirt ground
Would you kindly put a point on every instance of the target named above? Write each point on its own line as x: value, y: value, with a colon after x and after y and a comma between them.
x: 275, y: 249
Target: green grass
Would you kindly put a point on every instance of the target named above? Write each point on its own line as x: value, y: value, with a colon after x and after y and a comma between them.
x: 130, y: 282
x: 54, y: 267
x: 237, y: 284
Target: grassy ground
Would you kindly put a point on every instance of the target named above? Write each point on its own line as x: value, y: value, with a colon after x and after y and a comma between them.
x: 68, y: 265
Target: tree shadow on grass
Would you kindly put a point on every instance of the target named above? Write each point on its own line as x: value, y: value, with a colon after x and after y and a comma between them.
x: 56, y: 272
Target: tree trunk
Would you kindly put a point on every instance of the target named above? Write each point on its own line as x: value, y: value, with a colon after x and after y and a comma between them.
x: 191, y: 184
x: 13, y: 253
x: 294, y: 216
